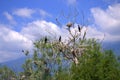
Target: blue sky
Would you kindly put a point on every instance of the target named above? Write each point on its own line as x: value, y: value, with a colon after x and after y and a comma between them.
x: 24, y: 21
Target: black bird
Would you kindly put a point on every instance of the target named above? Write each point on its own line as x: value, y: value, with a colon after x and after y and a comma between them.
x: 79, y: 28
x: 45, y: 39
x: 23, y: 51
x: 26, y: 52
x: 60, y: 39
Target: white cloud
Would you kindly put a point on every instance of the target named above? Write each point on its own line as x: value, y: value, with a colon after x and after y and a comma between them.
x: 108, y: 20
x: 40, y: 28
x: 114, y: 11
x: 12, y: 43
x: 71, y: 2
x: 9, y: 17
x: 7, y: 56
x: 24, y: 12
x: 92, y: 32
x: 112, y: 38
x: 44, y: 13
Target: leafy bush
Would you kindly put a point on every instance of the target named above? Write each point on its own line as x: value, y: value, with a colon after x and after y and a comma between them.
x: 7, y: 74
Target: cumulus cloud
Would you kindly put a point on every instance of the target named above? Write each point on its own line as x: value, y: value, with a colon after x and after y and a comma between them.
x: 41, y: 28
x: 24, y: 12
x: 108, y: 20
x: 93, y: 32
x: 11, y: 44
x: 71, y: 2
x: 9, y: 17
x: 7, y: 56
x: 27, y: 12
x: 44, y: 13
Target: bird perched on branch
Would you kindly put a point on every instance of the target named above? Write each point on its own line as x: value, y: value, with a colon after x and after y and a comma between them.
x: 69, y: 24
x: 26, y: 52
x: 79, y: 28
x: 60, y: 39
x: 46, y: 39
x: 73, y: 53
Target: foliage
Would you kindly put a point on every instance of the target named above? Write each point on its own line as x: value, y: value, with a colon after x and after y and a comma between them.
x: 7, y: 74
x: 77, y: 59
x: 97, y: 65
x: 53, y: 58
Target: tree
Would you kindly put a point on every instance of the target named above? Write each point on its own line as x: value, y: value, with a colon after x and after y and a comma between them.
x: 77, y: 59
x: 7, y: 74
x: 97, y: 65
x: 51, y: 55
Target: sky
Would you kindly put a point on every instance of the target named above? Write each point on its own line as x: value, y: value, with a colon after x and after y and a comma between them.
x: 24, y: 21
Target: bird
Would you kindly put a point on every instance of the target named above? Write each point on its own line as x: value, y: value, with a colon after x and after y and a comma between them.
x: 23, y: 51
x: 26, y: 52
x: 60, y: 39
x: 79, y: 28
x: 69, y: 24
x: 73, y: 53
x: 45, y: 39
